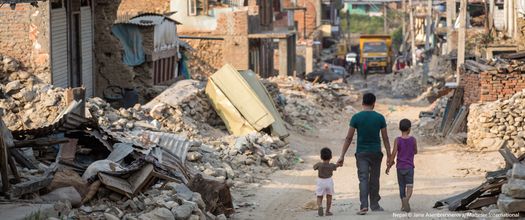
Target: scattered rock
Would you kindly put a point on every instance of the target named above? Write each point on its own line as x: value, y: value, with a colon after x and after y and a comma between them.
x: 183, y: 212
x: 510, y: 205
x: 64, y: 194
x: 158, y: 214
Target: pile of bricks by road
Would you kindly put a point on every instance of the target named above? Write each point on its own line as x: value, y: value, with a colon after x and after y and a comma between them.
x: 489, y: 123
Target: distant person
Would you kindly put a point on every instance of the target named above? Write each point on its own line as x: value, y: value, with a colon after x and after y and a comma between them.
x: 325, y: 183
x: 405, y: 147
x: 369, y: 124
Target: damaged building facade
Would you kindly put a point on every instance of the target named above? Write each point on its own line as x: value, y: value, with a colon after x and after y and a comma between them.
x: 237, y: 32
x: 53, y: 38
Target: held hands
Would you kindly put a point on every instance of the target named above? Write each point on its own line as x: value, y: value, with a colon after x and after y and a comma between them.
x: 340, y: 161
x: 389, y: 163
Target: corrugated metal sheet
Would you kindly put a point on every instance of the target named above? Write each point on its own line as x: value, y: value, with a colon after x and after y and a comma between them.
x: 145, y: 19
x: 172, y: 143
x: 148, y: 140
x: 66, y: 120
x: 86, y: 28
x: 59, y: 56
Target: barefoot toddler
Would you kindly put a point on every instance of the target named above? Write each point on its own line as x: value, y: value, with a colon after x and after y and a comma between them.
x: 325, y: 183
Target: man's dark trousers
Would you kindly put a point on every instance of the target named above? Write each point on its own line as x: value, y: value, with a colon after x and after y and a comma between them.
x: 368, y: 171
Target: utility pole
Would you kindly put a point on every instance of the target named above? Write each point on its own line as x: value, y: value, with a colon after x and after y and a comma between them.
x: 428, y: 24
x: 451, y: 6
x: 385, y: 22
x: 511, y: 18
x: 404, y: 7
x: 404, y: 28
x: 428, y: 55
x: 461, y: 38
x: 506, y: 15
x: 491, y: 14
x: 412, y: 33
x: 515, y: 18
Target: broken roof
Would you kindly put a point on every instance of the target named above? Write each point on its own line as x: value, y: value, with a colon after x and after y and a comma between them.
x: 145, y: 19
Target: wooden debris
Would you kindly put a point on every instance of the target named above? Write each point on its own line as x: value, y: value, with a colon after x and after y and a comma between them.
x: 509, y: 157
x: 6, y: 140
x: 45, y: 141
x: 452, y: 109
x: 130, y: 186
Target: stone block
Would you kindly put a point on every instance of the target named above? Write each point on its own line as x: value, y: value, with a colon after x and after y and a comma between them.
x: 510, y: 205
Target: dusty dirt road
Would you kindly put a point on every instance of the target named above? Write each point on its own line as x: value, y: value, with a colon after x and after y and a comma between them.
x: 441, y: 171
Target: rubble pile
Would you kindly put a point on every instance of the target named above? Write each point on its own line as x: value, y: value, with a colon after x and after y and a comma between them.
x: 192, y: 117
x: 246, y: 159
x: 306, y: 104
x: 26, y: 101
x: 429, y: 125
x: 161, y: 201
x: 489, y: 123
x: 407, y: 83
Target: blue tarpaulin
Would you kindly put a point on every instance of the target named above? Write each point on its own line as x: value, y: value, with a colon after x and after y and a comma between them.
x: 183, y: 66
x: 131, y: 39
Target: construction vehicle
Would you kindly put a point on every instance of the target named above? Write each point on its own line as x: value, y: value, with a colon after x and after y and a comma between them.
x: 376, y: 53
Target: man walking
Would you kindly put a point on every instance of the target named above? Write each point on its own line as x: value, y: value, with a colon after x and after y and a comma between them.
x: 369, y: 124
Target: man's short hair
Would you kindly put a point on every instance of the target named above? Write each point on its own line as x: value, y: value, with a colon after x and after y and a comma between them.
x: 326, y: 154
x: 405, y: 125
x: 369, y: 99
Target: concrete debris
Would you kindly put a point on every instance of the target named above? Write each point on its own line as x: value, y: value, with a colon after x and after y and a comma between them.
x: 305, y: 105
x: 512, y: 197
x: 408, y: 82
x: 429, y: 124
x: 64, y: 194
x: 27, y: 102
x: 111, y: 153
x: 496, y: 121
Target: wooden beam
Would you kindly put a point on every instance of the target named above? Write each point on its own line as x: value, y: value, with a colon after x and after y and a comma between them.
x: 21, y: 159
x: 509, y: 157
x: 4, y: 154
x: 45, y: 141
x: 412, y: 33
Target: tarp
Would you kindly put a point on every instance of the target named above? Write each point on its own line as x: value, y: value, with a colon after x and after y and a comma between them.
x: 131, y: 40
x: 233, y: 120
x: 278, y: 127
x: 242, y: 96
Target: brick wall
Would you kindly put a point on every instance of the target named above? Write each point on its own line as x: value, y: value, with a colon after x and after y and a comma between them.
x: 134, y: 7
x: 471, y: 83
x: 233, y: 27
x: 491, y: 86
x: 24, y: 35
x: 207, y: 57
x: 311, y: 16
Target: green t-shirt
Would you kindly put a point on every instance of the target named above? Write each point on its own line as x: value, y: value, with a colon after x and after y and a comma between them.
x: 368, y: 125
